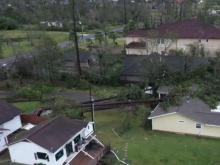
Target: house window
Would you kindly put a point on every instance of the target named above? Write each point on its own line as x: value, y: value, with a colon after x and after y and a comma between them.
x: 198, y: 125
x: 77, y: 139
x: 207, y: 40
x: 162, y: 41
x: 158, y: 41
x: 200, y: 40
x: 59, y: 155
x: 69, y: 149
x: 41, y: 155
x: 181, y: 121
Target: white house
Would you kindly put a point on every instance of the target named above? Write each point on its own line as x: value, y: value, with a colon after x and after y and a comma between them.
x: 57, y: 142
x: 174, y: 36
x: 9, y: 122
x: 192, y: 116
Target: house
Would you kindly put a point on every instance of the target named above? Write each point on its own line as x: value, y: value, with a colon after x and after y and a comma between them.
x: 9, y: 122
x: 57, y: 142
x: 135, y: 67
x: 86, y: 61
x: 174, y: 36
x: 192, y: 116
x: 164, y: 91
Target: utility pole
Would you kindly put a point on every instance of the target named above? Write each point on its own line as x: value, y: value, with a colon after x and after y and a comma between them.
x: 92, y: 106
x: 76, y: 38
x: 125, y: 12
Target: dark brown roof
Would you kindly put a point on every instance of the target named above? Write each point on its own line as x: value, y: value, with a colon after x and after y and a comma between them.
x: 55, y: 133
x: 136, y: 45
x: 7, y: 112
x: 192, y: 29
x: 192, y: 108
x: 82, y: 159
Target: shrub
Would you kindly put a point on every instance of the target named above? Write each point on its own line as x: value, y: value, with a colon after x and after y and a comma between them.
x: 29, y: 93
x: 7, y: 23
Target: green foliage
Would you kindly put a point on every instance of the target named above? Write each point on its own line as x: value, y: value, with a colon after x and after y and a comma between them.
x: 34, y: 91
x: 133, y: 92
x: 66, y: 107
x: 99, y: 37
x: 113, y: 36
x: 126, y: 124
x: 71, y: 81
x: 7, y: 23
x: 130, y: 26
x: 28, y: 92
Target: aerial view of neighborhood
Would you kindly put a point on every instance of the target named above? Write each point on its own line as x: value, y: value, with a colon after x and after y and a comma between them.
x: 109, y: 82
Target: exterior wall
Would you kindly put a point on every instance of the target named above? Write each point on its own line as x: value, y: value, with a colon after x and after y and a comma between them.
x: 23, y: 152
x: 211, y: 45
x: 180, y: 124
x: 130, y: 51
x: 88, y: 130
x: 12, y: 125
x: 2, y: 142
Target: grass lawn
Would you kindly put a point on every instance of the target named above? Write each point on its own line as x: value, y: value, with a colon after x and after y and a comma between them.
x: 149, y: 147
x: 28, y: 107
x: 25, y: 46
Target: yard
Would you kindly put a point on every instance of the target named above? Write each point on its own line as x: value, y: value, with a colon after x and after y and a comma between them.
x: 24, y: 44
x: 28, y: 107
x: 148, y: 147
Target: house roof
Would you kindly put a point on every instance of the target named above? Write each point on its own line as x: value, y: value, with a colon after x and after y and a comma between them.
x: 84, y: 57
x: 193, y: 108
x: 53, y: 134
x: 164, y: 89
x: 192, y: 29
x: 136, y: 65
x: 136, y: 45
x: 7, y: 112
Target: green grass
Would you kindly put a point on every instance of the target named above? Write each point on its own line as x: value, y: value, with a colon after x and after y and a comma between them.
x: 149, y: 147
x: 25, y: 46
x: 57, y: 36
x: 28, y: 107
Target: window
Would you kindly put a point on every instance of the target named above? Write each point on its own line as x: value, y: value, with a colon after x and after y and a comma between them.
x: 69, y: 149
x: 77, y: 139
x: 198, y: 125
x: 59, y: 155
x: 158, y: 41
x: 207, y: 40
x: 41, y: 155
x: 181, y: 121
x: 162, y: 41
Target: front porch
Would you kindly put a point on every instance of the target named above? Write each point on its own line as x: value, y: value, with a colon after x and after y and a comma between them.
x: 90, y: 154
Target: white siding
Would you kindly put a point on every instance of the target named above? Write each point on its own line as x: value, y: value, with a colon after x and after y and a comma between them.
x: 23, y: 152
x: 2, y: 142
x: 12, y: 125
x: 211, y: 46
x: 181, y: 124
x: 88, y: 130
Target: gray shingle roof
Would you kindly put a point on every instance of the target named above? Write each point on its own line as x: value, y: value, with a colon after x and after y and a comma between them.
x: 192, y: 108
x: 136, y: 65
